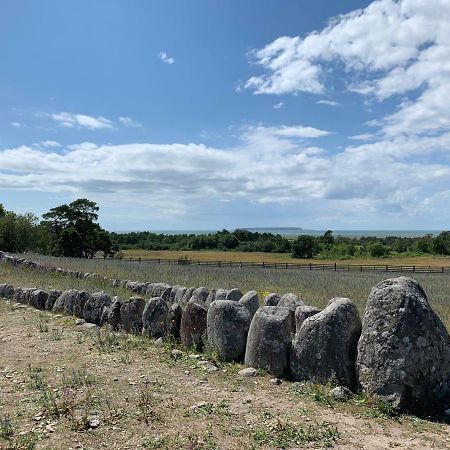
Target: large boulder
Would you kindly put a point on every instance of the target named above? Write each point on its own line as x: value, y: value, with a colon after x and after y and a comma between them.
x: 38, y: 298
x: 131, y: 311
x: 174, y: 321
x: 187, y: 295
x: 324, y: 347
x: 181, y: 290
x: 302, y: 313
x: 80, y: 301
x: 162, y: 290
x: 404, y: 350
x: 71, y: 302
x: 234, y: 294
x: 272, y: 299
x: 51, y: 299
x: 228, y: 322
x: 7, y: 290
x: 201, y: 293
x: 93, y: 308
x: 111, y: 314
x: 155, y: 318
x: 221, y: 294
x: 291, y: 301
x: 269, y: 340
x: 251, y: 301
x: 193, y: 324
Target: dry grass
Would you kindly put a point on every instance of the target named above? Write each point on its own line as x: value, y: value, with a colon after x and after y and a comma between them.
x: 78, y: 392
x: 212, y: 255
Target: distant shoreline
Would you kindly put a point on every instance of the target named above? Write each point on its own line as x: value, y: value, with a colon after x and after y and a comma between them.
x: 296, y: 231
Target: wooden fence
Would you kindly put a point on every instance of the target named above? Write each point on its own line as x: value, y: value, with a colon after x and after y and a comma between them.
x: 336, y: 267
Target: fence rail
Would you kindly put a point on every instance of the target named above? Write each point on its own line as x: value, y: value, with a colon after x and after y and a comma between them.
x: 336, y: 267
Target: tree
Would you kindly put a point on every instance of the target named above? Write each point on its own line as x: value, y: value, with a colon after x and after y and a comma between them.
x: 303, y: 247
x: 74, y: 230
x: 328, y: 238
x: 441, y: 243
x: 17, y: 231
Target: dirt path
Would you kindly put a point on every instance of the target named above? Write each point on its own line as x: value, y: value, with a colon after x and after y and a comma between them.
x: 65, y: 386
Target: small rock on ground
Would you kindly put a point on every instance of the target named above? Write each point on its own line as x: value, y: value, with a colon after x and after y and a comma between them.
x: 248, y: 372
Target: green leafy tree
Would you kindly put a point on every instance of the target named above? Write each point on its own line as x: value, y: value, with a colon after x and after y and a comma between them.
x: 304, y: 247
x: 74, y: 231
x: 17, y: 231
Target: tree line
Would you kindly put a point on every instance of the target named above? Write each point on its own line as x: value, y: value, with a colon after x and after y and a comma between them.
x: 73, y: 230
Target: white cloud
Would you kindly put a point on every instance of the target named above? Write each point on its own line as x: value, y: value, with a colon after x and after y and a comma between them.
x: 70, y: 120
x: 164, y: 57
x: 362, y: 137
x: 278, y: 105
x: 47, y: 144
x: 407, y: 49
x: 328, y: 102
x: 396, y: 177
x: 129, y: 122
x: 17, y: 124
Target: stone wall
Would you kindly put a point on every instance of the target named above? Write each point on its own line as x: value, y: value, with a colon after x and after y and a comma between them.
x: 399, y: 352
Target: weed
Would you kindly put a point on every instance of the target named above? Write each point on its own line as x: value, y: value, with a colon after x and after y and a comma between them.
x: 146, y: 404
x: 37, y: 379
x: 57, y: 334
x: 320, y: 393
x: 6, y: 428
x: 106, y: 341
x: 25, y: 442
x: 285, y: 435
x: 78, y: 378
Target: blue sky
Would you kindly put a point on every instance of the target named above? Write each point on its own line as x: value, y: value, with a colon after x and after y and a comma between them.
x: 225, y: 113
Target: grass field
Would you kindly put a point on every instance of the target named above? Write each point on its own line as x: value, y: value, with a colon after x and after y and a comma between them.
x: 315, y: 287
x: 432, y: 261
x: 64, y: 387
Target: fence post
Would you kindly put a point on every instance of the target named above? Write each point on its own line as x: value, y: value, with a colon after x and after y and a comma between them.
x: 442, y: 269
x: 263, y: 264
x: 386, y: 268
x: 414, y: 268
x: 335, y: 267
x: 310, y: 266
x: 361, y: 267
x: 139, y: 259
x: 286, y: 265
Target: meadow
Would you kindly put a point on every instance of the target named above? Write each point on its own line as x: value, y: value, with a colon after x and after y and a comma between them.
x: 315, y: 287
x: 258, y: 257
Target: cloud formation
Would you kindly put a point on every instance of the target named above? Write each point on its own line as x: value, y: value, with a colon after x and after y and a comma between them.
x: 165, y: 58
x: 129, y: 122
x: 269, y: 166
x: 70, y: 120
x: 407, y: 49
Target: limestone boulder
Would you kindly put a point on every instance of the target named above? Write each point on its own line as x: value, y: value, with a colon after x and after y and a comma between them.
x: 38, y: 298
x: 269, y: 340
x: 228, y: 322
x: 234, y: 294
x: 302, y: 313
x: 174, y: 321
x: 155, y: 318
x: 324, y: 347
x: 251, y: 301
x: 201, y: 293
x: 131, y: 312
x: 193, y: 325
x: 291, y: 301
x: 51, y: 299
x: 93, y: 308
x: 272, y: 299
x: 403, y: 353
